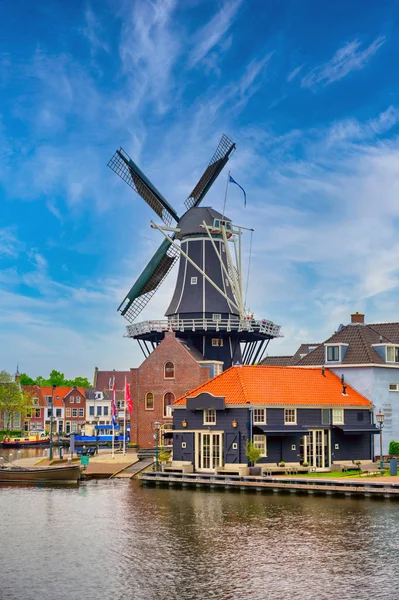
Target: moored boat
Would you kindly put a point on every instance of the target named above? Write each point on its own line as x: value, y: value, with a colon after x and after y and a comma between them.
x: 30, y: 438
x: 58, y: 475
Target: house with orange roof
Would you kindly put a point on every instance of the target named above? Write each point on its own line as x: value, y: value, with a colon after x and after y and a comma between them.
x: 292, y: 415
x: 69, y: 408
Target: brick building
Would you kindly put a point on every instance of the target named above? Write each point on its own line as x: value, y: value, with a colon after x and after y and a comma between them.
x: 166, y: 374
x: 69, y: 410
x: 34, y: 419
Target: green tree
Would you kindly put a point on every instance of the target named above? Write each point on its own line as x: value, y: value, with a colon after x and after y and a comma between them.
x: 13, y: 401
x: 24, y: 379
x: 57, y: 378
x: 82, y: 382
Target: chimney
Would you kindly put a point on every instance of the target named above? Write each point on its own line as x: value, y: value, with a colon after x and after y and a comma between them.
x: 357, y: 318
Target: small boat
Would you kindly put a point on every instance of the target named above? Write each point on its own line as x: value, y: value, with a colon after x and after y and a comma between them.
x: 57, y: 475
x: 30, y: 438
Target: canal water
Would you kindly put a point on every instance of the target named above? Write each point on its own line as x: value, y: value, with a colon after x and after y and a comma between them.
x: 117, y: 540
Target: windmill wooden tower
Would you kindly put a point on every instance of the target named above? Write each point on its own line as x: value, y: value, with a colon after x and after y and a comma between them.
x: 207, y: 308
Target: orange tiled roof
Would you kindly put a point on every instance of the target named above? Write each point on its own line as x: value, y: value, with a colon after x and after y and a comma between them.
x: 279, y: 386
x: 61, y: 392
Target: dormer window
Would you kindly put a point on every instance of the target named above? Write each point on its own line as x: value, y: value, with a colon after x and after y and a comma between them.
x: 393, y: 354
x: 332, y: 353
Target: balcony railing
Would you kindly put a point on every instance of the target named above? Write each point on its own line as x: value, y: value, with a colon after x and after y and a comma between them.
x: 225, y: 325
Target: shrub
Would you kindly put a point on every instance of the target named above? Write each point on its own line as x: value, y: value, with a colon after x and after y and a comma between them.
x: 253, y: 453
x: 394, y: 448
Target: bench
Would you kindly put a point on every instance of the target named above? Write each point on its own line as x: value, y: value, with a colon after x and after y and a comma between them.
x: 178, y: 467
x: 232, y: 469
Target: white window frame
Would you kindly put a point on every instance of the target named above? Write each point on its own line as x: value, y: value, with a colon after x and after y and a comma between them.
x: 210, y: 416
x: 81, y: 412
x: 394, y: 387
x: 71, y: 399
x: 74, y: 410
x: 194, y: 280
x: 338, y: 416
x: 216, y: 317
x: 260, y: 442
x: 288, y: 416
x: 394, y: 350
x: 77, y: 399
x: 262, y: 420
x: 339, y: 353
x: 68, y: 412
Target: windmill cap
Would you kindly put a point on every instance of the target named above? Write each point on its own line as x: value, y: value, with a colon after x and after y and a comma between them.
x: 191, y: 221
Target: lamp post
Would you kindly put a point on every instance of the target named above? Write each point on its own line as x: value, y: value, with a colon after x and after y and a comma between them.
x: 51, y: 421
x: 97, y: 418
x: 380, y: 420
x: 157, y: 425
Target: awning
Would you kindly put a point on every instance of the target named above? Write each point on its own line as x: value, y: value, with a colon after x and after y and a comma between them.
x: 350, y: 430
x: 282, y: 430
x: 168, y: 434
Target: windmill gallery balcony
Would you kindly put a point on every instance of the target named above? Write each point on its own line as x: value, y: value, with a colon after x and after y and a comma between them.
x: 248, y: 325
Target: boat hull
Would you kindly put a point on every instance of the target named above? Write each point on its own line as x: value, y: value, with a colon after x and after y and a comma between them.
x: 23, y: 443
x: 58, y: 475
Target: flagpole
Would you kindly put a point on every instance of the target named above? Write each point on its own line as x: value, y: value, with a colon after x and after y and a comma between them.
x: 225, y: 195
x: 124, y: 424
x: 113, y: 419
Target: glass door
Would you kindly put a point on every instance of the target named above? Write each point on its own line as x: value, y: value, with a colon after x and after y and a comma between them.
x: 315, y: 449
x: 210, y: 451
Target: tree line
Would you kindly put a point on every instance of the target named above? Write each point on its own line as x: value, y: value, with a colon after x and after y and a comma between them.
x: 55, y: 378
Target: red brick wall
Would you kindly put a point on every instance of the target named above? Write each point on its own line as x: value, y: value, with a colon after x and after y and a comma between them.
x: 149, y: 377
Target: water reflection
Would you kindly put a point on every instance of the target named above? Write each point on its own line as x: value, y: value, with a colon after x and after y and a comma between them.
x: 118, y: 540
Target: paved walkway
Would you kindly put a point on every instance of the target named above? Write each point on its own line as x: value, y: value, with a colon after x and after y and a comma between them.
x: 135, y: 468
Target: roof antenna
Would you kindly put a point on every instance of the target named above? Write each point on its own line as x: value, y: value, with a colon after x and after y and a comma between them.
x: 322, y: 371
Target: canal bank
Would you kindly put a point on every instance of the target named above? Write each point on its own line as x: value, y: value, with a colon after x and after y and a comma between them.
x: 376, y: 487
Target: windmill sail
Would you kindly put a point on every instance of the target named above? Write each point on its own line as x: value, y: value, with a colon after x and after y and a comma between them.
x: 149, y: 281
x: 122, y: 165
x: 217, y: 162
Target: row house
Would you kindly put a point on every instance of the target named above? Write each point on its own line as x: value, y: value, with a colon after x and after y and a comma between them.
x: 69, y: 408
x: 98, y: 410
x: 103, y: 382
x: 292, y: 415
x: 35, y: 415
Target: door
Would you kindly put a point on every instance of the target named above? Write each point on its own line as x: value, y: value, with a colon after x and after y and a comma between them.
x: 315, y: 449
x: 210, y: 451
x: 232, y: 448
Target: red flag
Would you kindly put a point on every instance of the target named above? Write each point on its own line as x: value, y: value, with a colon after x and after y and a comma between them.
x: 128, y: 398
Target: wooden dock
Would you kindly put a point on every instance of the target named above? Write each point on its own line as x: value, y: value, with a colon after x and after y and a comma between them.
x: 342, y: 487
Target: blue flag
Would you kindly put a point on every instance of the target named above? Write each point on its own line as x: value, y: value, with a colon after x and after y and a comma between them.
x: 231, y: 180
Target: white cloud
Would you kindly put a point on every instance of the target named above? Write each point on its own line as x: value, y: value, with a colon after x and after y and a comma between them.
x: 294, y: 73
x: 347, y: 59
x: 213, y: 32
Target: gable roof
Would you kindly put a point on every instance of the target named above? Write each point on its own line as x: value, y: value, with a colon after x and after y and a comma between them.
x: 360, y: 339
x: 282, y: 361
x: 103, y: 379
x: 60, y: 392
x: 279, y: 386
x: 34, y: 391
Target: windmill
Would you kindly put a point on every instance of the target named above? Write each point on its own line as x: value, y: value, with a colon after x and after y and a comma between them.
x: 207, y: 309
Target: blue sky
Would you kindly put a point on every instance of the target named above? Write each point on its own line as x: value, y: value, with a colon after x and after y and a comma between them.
x: 307, y: 90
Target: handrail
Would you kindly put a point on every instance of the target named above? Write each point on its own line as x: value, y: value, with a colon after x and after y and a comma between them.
x: 227, y: 325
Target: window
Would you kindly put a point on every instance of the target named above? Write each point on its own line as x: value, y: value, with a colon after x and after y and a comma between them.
x: 194, y: 280
x: 49, y: 410
x: 392, y: 353
x: 77, y: 399
x: 210, y: 416
x: 74, y: 412
x: 74, y: 425
x: 338, y: 416
x: 393, y: 387
x: 72, y: 399
x: 168, y: 400
x: 49, y: 399
x: 105, y: 411
x: 58, y: 412
x: 216, y: 317
x: 259, y: 442
x: 81, y: 412
x: 67, y: 412
x: 259, y: 416
x: 169, y: 370
x: 37, y: 413
x: 149, y: 401
x: 99, y: 411
x: 217, y: 342
x: 35, y: 401
x: 325, y: 416
x: 28, y: 413
x: 333, y: 353
x: 91, y: 411
x: 17, y: 420
x: 290, y: 416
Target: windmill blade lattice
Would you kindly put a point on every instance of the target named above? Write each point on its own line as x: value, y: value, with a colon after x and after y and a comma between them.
x: 149, y: 281
x: 217, y: 162
x: 122, y: 165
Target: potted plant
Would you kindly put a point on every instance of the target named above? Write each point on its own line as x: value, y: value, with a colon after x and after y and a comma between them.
x: 281, y: 463
x: 164, y: 457
x: 253, y: 454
